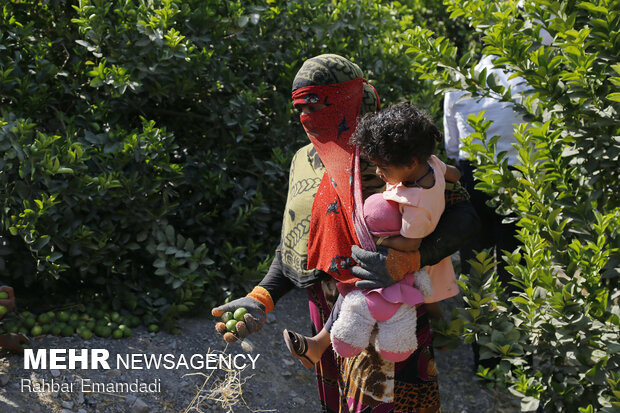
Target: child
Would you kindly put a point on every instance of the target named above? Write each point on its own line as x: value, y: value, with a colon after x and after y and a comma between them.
x: 399, y: 141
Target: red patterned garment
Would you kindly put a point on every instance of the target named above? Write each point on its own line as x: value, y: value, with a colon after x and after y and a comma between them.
x: 332, y: 228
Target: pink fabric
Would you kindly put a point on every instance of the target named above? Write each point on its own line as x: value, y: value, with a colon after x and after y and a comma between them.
x: 394, y: 357
x: 424, y: 207
x: 384, y: 302
x: 421, y: 209
x: 345, y: 349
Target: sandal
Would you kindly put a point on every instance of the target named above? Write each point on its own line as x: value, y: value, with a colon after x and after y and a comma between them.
x: 297, y: 345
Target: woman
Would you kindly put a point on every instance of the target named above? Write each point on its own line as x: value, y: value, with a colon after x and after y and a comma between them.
x: 320, y: 237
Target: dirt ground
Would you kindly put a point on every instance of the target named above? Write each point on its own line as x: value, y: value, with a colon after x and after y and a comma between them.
x: 272, y: 380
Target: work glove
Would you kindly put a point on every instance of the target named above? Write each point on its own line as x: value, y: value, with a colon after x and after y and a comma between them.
x: 253, y: 321
x: 382, y: 268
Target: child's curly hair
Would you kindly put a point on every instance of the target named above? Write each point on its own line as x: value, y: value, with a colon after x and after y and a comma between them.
x: 396, y: 135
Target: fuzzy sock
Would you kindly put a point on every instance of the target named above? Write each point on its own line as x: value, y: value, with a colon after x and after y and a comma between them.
x: 396, y: 338
x: 350, y: 333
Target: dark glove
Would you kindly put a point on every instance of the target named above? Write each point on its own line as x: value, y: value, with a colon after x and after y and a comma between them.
x: 253, y: 319
x: 382, y: 268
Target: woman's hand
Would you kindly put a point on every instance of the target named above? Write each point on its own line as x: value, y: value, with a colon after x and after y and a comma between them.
x: 253, y: 321
x: 382, y: 268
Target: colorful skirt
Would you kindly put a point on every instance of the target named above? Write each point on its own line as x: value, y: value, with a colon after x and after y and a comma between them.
x: 367, y: 383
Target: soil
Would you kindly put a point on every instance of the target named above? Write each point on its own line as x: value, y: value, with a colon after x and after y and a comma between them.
x: 278, y: 383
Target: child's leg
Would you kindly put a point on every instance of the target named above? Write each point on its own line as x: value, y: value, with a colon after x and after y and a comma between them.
x: 350, y: 332
x: 310, y: 349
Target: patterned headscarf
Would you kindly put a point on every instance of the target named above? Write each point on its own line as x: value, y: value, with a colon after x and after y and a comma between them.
x: 336, y: 220
x: 328, y: 69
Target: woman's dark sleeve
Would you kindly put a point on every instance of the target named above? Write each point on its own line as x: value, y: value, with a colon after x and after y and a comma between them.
x: 458, y: 224
x: 275, y: 281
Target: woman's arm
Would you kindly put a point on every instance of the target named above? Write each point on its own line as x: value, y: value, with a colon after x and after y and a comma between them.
x: 458, y: 224
x: 400, y: 243
x: 275, y: 282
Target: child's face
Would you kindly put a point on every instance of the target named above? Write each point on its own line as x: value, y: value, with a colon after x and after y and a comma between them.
x: 394, y: 174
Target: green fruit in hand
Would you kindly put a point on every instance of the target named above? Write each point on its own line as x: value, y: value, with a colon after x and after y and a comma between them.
x: 4, y: 295
x: 231, y: 326
x: 227, y: 316
x: 3, y: 310
x: 239, y: 313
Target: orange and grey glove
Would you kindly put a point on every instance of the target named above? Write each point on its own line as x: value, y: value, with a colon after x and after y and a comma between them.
x: 382, y: 268
x: 258, y: 303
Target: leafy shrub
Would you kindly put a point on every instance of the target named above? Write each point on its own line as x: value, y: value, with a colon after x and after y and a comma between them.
x: 144, y: 145
x: 558, y: 337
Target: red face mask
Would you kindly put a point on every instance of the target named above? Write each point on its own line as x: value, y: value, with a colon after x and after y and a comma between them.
x: 336, y: 122
x: 332, y: 229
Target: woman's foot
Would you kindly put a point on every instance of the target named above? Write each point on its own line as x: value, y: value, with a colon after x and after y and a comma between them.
x: 307, y: 349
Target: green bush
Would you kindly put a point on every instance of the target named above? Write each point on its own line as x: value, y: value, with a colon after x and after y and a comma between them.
x: 144, y: 146
x: 558, y: 337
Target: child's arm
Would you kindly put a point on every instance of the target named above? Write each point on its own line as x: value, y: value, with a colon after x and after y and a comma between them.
x: 452, y: 173
x: 400, y: 243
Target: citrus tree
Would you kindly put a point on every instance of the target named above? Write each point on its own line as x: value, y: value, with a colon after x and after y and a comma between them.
x: 144, y: 145
x: 558, y: 335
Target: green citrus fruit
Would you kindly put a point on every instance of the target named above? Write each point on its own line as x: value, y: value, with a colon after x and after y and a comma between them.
x: 4, y: 295
x: 67, y: 331
x: 63, y: 316
x: 227, y: 316
x: 3, y: 310
x: 103, y: 331
x: 44, y: 318
x: 36, y: 331
x: 231, y: 326
x: 86, y: 333
x: 239, y: 313
x: 117, y: 333
x: 153, y: 328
